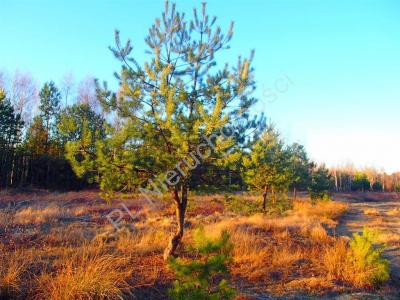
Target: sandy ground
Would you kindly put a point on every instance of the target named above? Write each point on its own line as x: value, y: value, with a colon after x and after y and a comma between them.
x: 379, y: 211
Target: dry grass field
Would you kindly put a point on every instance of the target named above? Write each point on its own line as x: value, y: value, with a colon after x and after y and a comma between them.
x: 62, y: 246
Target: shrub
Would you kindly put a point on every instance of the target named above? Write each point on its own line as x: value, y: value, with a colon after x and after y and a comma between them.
x: 366, y: 256
x: 377, y: 187
x: 320, y: 184
x: 279, y: 204
x: 196, y: 279
x: 360, y: 262
x: 241, y: 205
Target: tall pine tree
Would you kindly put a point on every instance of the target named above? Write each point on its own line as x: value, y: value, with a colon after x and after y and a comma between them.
x: 176, y: 110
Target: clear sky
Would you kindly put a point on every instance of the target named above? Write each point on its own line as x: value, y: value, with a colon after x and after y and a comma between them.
x: 328, y: 72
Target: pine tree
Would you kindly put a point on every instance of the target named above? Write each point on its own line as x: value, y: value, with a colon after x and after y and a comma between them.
x: 37, y: 137
x: 11, y: 125
x: 197, y: 279
x: 267, y: 168
x: 176, y: 110
x: 300, y: 168
x: 80, y: 128
x: 50, y: 98
x: 320, y: 183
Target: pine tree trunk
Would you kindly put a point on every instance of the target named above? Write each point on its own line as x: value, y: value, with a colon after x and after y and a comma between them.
x: 265, y: 197
x: 273, y: 196
x: 180, y: 204
x: 294, y: 193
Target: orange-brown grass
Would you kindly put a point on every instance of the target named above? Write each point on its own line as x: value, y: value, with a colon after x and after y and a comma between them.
x: 12, y: 269
x: 142, y: 243
x: 394, y: 212
x: 371, y: 211
x: 80, y: 256
x: 89, y: 275
x: 38, y: 215
x: 280, y: 252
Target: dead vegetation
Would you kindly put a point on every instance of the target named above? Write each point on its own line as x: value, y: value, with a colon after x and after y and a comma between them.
x: 56, y: 250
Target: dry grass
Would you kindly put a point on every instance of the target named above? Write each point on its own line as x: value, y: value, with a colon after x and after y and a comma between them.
x: 395, y: 212
x: 12, y: 269
x: 82, y: 257
x: 334, y: 259
x: 86, y: 276
x: 277, y: 250
x: 142, y: 243
x: 371, y: 212
x: 39, y: 215
x: 352, y: 266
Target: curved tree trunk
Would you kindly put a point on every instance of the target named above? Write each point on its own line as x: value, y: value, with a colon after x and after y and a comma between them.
x: 180, y: 207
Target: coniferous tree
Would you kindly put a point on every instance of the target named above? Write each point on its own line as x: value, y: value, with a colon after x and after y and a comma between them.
x: 267, y: 168
x: 50, y: 98
x: 320, y: 183
x: 300, y: 168
x: 80, y: 128
x: 37, y: 137
x: 11, y: 125
x: 172, y: 107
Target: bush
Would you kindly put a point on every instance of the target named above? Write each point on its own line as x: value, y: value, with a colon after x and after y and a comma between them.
x: 279, y: 204
x: 366, y: 256
x: 377, y: 187
x: 360, y: 262
x: 360, y: 182
x: 320, y: 184
x: 241, y: 205
x: 196, y: 278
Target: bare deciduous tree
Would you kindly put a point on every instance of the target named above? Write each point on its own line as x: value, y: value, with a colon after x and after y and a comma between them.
x: 67, y: 84
x: 23, y: 93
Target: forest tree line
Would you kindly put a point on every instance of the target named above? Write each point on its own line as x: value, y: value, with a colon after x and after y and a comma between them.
x: 37, y: 124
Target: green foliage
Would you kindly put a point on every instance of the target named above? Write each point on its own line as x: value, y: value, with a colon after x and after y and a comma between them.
x: 49, y: 107
x: 10, y: 123
x: 377, y: 186
x: 360, y: 182
x: 241, y: 205
x: 166, y: 106
x: 82, y: 128
x: 197, y: 278
x: 268, y: 164
x: 300, y: 167
x: 366, y: 256
x: 11, y: 126
x: 320, y: 184
x: 279, y: 203
x: 397, y: 188
x: 326, y: 198
x: 37, y: 137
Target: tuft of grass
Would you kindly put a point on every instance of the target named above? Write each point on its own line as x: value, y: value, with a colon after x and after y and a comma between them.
x: 142, y: 243
x: 11, y: 278
x: 89, y: 276
x: 371, y: 212
x: 38, y: 215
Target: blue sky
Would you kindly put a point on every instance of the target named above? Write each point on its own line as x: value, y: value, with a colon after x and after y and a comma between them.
x: 328, y: 72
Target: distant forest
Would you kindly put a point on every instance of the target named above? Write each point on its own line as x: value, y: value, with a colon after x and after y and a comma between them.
x: 36, y: 127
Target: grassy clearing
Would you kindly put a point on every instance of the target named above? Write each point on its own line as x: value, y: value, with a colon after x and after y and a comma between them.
x: 72, y: 252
